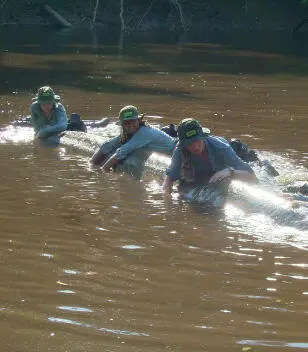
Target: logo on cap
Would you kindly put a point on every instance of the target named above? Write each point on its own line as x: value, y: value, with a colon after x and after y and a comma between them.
x: 190, y: 133
x: 128, y: 114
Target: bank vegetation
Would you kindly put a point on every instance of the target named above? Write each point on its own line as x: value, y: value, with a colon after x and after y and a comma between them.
x: 148, y: 15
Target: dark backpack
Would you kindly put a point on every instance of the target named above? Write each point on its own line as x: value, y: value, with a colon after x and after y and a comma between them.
x: 242, y: 151
x: 75, y: 123
x: 170, y: 130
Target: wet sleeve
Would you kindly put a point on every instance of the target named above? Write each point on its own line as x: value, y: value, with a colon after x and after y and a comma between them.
x: 111, y: 146
x: 231, y: 159
x: 174, y: 169
x: 140, y: 139
x: 60, y: 125
x: 34, y: 118
x: 300, y: 197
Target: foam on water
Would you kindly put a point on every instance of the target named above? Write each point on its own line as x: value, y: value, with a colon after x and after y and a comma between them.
x: 257, y: 210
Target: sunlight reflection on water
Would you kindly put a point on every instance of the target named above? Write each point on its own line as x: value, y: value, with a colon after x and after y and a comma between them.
x: 300, y: 345
x: 112, y: 331
x: 117, y: 254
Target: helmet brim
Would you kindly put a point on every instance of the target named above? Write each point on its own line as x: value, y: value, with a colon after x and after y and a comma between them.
x: 186, y: 142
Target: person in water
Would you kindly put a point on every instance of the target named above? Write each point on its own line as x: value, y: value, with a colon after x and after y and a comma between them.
x: 135, y: 134
x: 48, y: 115
x: 200, y: 158
x: 241, y: 149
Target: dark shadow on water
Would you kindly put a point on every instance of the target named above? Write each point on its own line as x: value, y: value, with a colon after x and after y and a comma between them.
x: 78, y: 75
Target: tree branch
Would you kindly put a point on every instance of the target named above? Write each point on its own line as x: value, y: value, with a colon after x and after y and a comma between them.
x: 179, y: 7
x: 301, y: 24
x: 60, y: 19
x: 145, y: 14
x: 95, y: 13
x: 121, y: 16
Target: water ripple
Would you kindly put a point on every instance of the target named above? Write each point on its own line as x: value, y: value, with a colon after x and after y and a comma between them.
x: 75, y: 309
x: 300, y: 345
x: 112, y: 331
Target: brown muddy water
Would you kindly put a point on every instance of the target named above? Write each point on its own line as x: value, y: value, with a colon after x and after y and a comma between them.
x: 101, y: 262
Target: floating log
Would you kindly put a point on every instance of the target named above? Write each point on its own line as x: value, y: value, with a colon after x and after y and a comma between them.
x: 57, y: 17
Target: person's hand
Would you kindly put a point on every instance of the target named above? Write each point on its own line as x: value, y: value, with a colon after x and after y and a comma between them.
x: 38, y: 138
x: 289, y: 197
x: 220, y: 175
x: 167, y: 195
x: 106, y: 168
x: 110, y: 163
x: 167, y: 187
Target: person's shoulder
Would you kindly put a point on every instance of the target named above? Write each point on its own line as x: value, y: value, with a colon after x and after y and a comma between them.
x: 178, y: 148
x: 144, y: 128
x: 34, y: 105
x: 112, y: 140
x: 218, y: 142
x: 59, y: 106
x: 158, y: 132
x: 148, y: 127
x: 147, y: 130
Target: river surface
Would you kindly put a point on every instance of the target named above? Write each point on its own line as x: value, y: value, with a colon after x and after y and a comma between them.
x: 102, y: 262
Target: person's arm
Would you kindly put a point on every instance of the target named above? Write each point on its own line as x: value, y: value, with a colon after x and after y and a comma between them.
x: 234, y: 174
x: 173, y: 172
x: 140, y: 139
x: 112, y: 161
x: 34, y: 117
x: 245, y: 176
x: 98, y: 157
x: 235, y: 168
x: 167, y: 185
x: 60, y: 126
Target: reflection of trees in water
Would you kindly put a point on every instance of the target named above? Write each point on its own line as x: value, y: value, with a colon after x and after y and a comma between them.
x: 87, y: 62
x: 89, y: 59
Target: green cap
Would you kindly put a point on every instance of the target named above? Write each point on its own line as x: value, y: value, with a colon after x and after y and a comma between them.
x: 129, y: 112
x: 189, y: 131
x: 46, y: 95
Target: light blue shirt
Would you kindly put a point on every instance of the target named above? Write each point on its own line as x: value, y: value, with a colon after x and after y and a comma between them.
x: 221, y: 156
x: 45, y: 127
x: 147, y: 137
